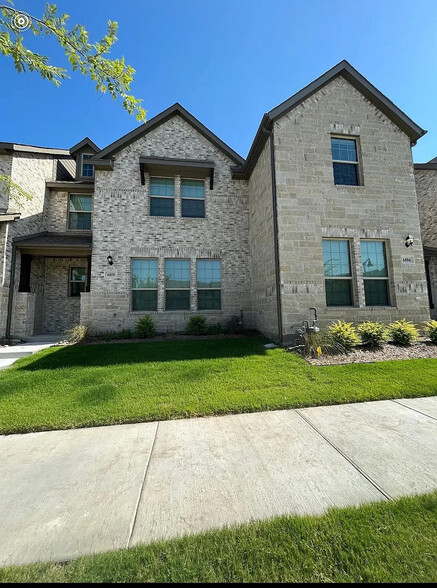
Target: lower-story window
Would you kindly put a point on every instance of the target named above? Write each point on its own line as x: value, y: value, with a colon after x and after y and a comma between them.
x: 338, y: 276
x: 77, y: 280
x: 144, y: 284
x: 177, y: 284
x: 375, y: 273
x: 209, y: 283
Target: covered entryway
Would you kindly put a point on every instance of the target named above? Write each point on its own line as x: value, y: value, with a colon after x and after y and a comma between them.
x: 51, y: 272
x: 430, y: 254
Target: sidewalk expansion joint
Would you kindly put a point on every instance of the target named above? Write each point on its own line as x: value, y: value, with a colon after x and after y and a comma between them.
x: 140, y: 493
x: 346, y: 457
x: 415, y: 409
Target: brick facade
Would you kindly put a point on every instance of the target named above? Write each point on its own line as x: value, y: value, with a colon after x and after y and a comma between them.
x: 239, y: 226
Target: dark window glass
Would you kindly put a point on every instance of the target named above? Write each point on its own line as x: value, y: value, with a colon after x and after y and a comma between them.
x: 77, y: 280
x: 161, y: 207
x: 338, y: 292
x: 336, y: 264
x: 87, y: 169
x: 162, y: 187
x: 144, y: 273
x: 374, y: 259
x: 336, y: 260
x: 144, y: 299
x: 80, y: 212
x: 344, y: 149
x: 177, y: 300
x: 192, y: 189
x: 177, y: 273
x: 345, y: 174
x: 193, y: 208
x: 209, y: 299
x: 376, y: 292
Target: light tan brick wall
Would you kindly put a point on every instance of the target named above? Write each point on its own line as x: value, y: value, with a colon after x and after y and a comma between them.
x: 262, y: 246
x: 123, y: 228
x: 426, y: 188
x: 311, y: 207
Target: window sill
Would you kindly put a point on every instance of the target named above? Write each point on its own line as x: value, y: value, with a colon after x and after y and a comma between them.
x: 347, y: 186
x: 154, y: 312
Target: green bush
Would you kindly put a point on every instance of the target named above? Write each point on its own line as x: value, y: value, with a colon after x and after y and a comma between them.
x: 403, y: 332
x: 145, y: 327
x: 214, y: 329
x: 431, y: 330
x: 197, y: 325
x: 372, y: 334
x: 344, y: 334
x: 234, y: 325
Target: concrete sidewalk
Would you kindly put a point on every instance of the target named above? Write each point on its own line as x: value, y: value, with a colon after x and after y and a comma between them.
x: 10, y: 354
x: 68, y: 493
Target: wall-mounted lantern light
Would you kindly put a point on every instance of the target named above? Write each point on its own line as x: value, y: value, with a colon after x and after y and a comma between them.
x: 109, y: 258
x: 409, y: 241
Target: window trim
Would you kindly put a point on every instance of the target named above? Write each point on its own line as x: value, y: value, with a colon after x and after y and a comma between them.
x: 350, y: 278
x: 357, y: 163
x: 82, y: 164
x: 209, y: 289
x: 70, y: 281
x: 176, y: 289
x: 163, y: 197
x: 90, y: 212
x: 146, y: 289
x: 386, y: 278
x: 195, y: 199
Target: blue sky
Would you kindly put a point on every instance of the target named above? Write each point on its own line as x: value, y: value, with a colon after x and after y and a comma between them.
x: 227, y: 62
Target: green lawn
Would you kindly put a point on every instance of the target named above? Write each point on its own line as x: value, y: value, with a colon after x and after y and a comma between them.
x: 381, y: 542
x: 87, y: 385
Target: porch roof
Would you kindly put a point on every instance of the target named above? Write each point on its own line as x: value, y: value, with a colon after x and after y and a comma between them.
x: 55, y: 244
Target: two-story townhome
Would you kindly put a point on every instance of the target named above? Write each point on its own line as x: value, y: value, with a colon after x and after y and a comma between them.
x: 170, y: 221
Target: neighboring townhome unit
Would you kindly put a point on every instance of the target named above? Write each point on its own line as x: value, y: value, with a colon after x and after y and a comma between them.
x: 170, y: 221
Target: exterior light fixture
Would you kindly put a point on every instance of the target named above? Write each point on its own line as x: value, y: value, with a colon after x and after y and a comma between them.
x: 109, y: 258
x: 409, y: 241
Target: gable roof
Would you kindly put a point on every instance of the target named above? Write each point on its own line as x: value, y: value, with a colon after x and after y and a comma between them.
x: 105, y: 155
x: 84, y: 143
x: 345, y: 70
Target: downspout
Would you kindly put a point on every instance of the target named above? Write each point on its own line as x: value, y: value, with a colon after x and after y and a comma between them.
x: 11, y: 291
x: 275, y: 232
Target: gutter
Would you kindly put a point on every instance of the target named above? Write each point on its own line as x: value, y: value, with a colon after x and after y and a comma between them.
x: 275, y: 231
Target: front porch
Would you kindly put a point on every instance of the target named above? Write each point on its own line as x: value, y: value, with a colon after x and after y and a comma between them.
x: 51, y: 272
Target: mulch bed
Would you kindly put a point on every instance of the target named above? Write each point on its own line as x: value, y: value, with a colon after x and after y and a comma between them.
x: 388, y: 351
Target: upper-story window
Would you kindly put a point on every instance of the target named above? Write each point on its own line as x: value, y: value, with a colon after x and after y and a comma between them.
x: 87, y: 170
x: 345, y: 161
x: 193, y: 198
x: 161, y: 196
x: 79, y: 212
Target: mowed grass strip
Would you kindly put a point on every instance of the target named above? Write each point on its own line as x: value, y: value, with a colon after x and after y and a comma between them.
x: 86, y: 385
x: 381, y: 542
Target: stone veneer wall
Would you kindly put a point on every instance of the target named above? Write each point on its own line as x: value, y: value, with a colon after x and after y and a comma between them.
x: 262, y: 246
x: 426, y: 188
x: 123, y: 228
x: 311, y: 207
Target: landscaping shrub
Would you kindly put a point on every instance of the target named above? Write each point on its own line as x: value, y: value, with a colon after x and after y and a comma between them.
x: 215, y: 329
x: 372, y: 334
x: 76, y: 333
x: 431, y: 330
x: 197, y: 325
x: 145, y: 327
x: 234, y: 325
x: 344, y: 334
x: 321, y: 343
x: 403, y: 332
